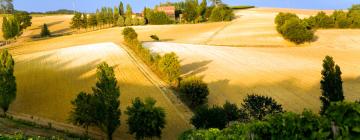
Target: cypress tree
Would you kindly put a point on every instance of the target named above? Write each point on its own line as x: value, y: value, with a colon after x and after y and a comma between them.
x: 45, y: 31
x: 7, y: 80
x: 121, y: 9
x: 6, y: 28
x: 331, y: 84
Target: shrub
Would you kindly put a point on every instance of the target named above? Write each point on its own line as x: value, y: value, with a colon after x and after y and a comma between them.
x: 354, y: 18
x: 205, y: 117
x: 323, y: 20
x: 129, y: 35
x: 296, y: 31
x: 169, y: 65
x: 232, y: 112
x: 257, y: 106
x: 281, y: 18
x: 158, y: 18
x: 45, y: 31
x: 135, y: 21
x: 222, y: 13
x: 195, y: 90
x: 121, y: 21
x: 341, y: 19
x: 154, y: 37
x: 142, y: 21
x: 128, y: 21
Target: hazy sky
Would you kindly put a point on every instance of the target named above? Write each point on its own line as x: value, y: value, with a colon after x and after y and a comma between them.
x: 92, y: 5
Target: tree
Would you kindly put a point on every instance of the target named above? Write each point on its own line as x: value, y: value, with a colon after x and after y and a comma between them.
x: 201, y: 10
x: 121, y: 9
x: 92, y: 22
x: 169, y: 65
x: 116, y: 15
x: 128, y: 21
x: 7, y: 80
x: 205, y: 117
x: 145, y: 119
x: 158, y: 18
x: 296, y: 31
x: 135, y: 21
x: 121, y: 21
x: 331, y: 84
x: 10, y: 27
x: 195, y: 90
x: 128, y: 11
x: 341, y: 19
x: 76, y: 21
x: 221, y: 13
x: 281, y: 18
x: 83, y: 111
x: 106, y: 93
x: 323, y: 20
x: 190, y: 13
x: 258, y: 106
x: 45, y: 31
x: 84, y: 20
x: 24, y: 19
x: 232, y: 112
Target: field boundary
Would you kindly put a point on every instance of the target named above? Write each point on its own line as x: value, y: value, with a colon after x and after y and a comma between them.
x: 181, y: 109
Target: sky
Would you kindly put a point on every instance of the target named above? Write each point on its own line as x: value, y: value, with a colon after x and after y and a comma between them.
x: 138, y: 5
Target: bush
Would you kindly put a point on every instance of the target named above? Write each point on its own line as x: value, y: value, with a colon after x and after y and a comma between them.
x: 135, y: 21
x: 222, y: 13
x: 129, y: 35
x: 341, y: 19
x: 154, y: 37
x: 195, y: 90
x: 45, y: 31
x: 281, y: 18
x: 257, y: 106
x: 355, y: 19
x: 296, y: 31
x: 128, y: 21
x: 205, y: 117
x: 142, y: 21
x: 158, y: 18
x: 121, y: 21
x: 323, y: 20
x: 169, y: 65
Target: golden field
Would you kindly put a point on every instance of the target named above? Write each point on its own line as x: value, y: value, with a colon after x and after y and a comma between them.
x: 51, y: 72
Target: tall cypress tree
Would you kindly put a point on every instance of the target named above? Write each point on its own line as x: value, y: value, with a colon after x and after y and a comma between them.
x: 121, y: 9
x: 331, y: 84
x: 5, y: 28
x: 7, y: 80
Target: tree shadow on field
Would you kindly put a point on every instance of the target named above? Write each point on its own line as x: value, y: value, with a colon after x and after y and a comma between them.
x: 48, y: 24
x: 289, y: 93
x: 194, y: 68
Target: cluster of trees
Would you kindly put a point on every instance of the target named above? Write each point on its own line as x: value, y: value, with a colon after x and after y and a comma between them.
x: 260, y: 117
x: 167, y: 66
x: 195, y: 12
x: 155, y: 17
x: 338, y: 19
x: 302, y: 30
x: 7, y: 81
x: 106, y: 17
x: 291, y: 27
x: 101, y: 109
x: 14, y: 24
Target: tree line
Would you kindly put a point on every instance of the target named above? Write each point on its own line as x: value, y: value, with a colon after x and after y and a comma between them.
x: 14, y: 24
x: 261, y: 117
x: 297, y: 30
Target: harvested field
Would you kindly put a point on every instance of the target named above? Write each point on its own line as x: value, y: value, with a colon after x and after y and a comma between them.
x: 290, y: 75
x: 49, y: 79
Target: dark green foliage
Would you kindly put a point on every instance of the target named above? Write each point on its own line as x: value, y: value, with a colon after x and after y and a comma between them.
x: 232, y: 112
x: 296, y: 31
x: 354, y: 17
x: 128, y: 13
x: 341, y: 19
x: 7, y: 80
x: 354, y: 8
x: 194, y: 90
x: 11, y: 27
x: 345, y: 119
x: 128, y: 21
x: 331, y: 84
x: 154, y: 37
x: 76, y: 21
x: 101, y: 108
x: 129, y: 35
x: 158, y: 18
x: 214, y: 117
x: 281, y: 18
x: 24, y: 19
x: 242, y: 7
x: 84, y: 20
x: 222, y: 13
x: 258, y: 106
x: 169, y: 65
x: 190, y: 13
x: 145, y: 119
x: 92, y: 22
x: 121, y: 9
x: 45, y: 31
x: 323, y: 21
x: 121, y: 21
x: 83, y: 111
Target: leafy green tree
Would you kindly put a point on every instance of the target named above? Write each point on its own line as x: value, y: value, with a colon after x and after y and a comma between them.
x: 232, y: 112
x: 116, y: 15
x: 323, y: 20
x: 129, y: 34
x: 145, y: 119
x: 195, y: 90
x: 205, y: 117
x: 341, y: 19
x: 121, y: 21
x: 92, y: 22
x: 10, y: 27
x: 258, y: 106
x: 331, y: 84
x: 354, y: 17
x: 281, y: 18
x: 121, y: 9
x: 354, y: 8
x: 201, y: 10
x: 76, y: 21
x: 7, y: 80
x: 6, y: 28
x: 345, y: 119
x: 83, y: 111
x: 222, y: 13
x: 158, y: 18
x: 84, y: 20
x: 169, y: 65
x: 190, y: 13
x: 24, y: 19
x: 296, y: 31
x: 135, y: 21
x: 129, y: 11
x: 45, y: 32
x: 142, y: 21
x: 128, y: 21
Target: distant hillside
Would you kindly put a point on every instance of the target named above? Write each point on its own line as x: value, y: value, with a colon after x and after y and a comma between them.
x: 60, y: 11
